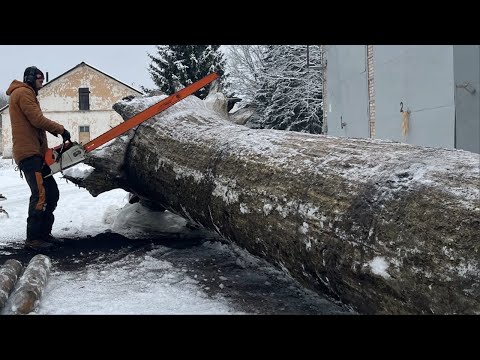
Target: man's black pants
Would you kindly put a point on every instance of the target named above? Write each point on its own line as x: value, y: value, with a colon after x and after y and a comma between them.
x: 43, y: 199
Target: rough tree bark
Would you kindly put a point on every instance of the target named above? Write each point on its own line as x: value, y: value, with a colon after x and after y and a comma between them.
x: 10, y: 271
x: 29, y: 288
x: 388, y: 228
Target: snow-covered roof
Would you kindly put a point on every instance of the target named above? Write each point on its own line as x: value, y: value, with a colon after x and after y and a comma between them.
x: 94, y: 68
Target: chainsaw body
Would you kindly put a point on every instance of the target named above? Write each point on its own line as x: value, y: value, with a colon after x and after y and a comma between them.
x: 64, y: 156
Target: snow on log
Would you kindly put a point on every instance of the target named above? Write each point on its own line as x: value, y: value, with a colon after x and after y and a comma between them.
x: 29, y: 288
x: 386, y: 227
x: 10, y: 271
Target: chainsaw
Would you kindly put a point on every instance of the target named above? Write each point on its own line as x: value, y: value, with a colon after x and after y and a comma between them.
x: 71, y: 153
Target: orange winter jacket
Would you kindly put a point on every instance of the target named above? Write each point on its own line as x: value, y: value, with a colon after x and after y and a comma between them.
x: 29, y: 126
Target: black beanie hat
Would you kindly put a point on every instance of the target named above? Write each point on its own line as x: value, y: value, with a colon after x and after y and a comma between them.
x: 30, y: 75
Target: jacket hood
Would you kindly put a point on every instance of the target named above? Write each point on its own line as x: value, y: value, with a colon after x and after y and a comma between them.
x: 15, y: 85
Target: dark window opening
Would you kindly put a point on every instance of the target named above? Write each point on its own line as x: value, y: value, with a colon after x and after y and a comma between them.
x: 84, y: 98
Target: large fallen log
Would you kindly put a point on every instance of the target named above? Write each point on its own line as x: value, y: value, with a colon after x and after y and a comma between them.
x: 388, y: 228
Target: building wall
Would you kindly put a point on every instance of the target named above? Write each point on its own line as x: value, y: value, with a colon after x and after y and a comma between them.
x: 59, y: 101
x: 347, y: 91
x: 467, y: 96
x: 421, y: 77
x: 371, y: 90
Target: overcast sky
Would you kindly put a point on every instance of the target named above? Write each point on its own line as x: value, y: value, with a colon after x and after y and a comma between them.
x: 127, y: 63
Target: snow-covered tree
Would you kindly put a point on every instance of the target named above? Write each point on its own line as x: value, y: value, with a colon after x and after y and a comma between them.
x: 3, y: 100
x: 244, y: 64
x: 176, y: 66
x: 290, y: 95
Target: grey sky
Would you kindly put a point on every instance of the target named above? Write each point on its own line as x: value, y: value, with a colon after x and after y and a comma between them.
x: 127, y: 63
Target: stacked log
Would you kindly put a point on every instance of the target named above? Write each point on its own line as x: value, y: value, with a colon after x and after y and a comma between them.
x: 29, y: 288
x: 10, y: 271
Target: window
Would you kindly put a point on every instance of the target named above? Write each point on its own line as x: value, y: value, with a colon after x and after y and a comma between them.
x: 84, y: 134
x: 84, y: 98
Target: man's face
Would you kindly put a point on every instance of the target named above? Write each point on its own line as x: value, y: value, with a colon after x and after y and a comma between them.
x: 39, y: 82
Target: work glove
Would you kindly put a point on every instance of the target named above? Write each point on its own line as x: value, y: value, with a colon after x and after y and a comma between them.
x: 65, y: 135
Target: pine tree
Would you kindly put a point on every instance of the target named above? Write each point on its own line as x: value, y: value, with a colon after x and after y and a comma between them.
x: 290, y: 97
x: 177, y: 66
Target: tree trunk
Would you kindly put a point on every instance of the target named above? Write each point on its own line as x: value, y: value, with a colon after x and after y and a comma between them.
x: 28, y: 291
x: 388, y: 228
x: 9, y: 274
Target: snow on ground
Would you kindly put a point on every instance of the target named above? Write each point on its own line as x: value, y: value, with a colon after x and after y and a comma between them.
x: 133, y: 285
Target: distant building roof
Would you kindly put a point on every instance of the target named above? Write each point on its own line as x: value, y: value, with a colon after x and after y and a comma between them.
x: 90, y: 66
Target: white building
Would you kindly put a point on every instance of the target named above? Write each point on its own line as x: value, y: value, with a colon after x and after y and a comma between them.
x: 80, y: 99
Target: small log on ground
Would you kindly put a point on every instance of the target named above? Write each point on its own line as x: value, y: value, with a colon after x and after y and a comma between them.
x: 386, y: 227
x: 10, y: 271
x: 29, y: 288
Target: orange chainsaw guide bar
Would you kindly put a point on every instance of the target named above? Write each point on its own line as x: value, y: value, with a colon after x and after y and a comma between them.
x: 138, y: 118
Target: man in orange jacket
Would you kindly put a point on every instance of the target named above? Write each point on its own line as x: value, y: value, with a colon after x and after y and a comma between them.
x: 29, y: 137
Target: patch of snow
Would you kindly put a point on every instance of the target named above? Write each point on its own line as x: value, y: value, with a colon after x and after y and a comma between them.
x: 267, y: 209
x: 244, y: 209
x: 79, y: 171
x: 379, y: 266
x: 224, y: 190
x: 184, y: 172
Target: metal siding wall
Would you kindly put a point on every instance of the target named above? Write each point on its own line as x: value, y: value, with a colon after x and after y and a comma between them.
x: 334, y: 98
x: 420, y: 76
x: 467, y: 71
x: 347, y: 90
x: 371, y: 90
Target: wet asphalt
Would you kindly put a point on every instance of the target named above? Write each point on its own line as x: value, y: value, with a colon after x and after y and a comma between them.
x: 250, y: 284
